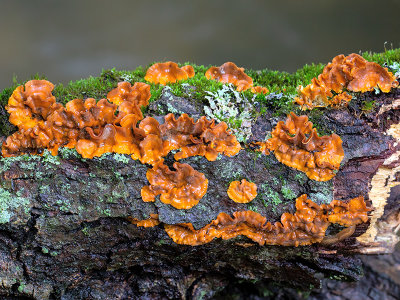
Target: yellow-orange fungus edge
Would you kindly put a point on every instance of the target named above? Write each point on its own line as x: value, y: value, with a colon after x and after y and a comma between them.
x: 182, y: 188
x: 231, y: 73
x: 168, y: 72
x: 296, y: 144
x: 152, y: 221
x: 306, y: 226
x: 242, y: 191
x: 352, y: 73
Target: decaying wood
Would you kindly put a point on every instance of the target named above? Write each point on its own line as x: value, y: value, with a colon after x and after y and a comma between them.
x: 67, y: 232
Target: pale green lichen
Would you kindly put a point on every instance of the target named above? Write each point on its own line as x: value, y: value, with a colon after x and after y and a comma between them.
x: 272, y: 198
x: 229, y: 106
x: 287, y: 193
x: 301, y: 178
x: 28, y: 161
x: 395, y: 67
x: 10, y: 204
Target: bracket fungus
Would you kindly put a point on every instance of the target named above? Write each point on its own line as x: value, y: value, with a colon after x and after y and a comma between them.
x: 92, y: 127
x: 30, y: 104
x: 352, y: 73
x: 296, y: 144
x: 231, y: 73
x: 167, y: 72
x: 242, y: 191
x: 202, y: 137
x: 182, y: 188
x: 306, y: 226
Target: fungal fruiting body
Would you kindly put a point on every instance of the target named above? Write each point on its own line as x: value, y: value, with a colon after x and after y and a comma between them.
x: 182, y: 188
x: 167, y: 72
x: 92, y: 127
x: 296, y: 144
x: 242, y: 191
x: 202, y: 137
x: 29, y: 105
x: 352, y: 73
x: 231, y: 73
x: 306, y: 226
x: 152, y: 221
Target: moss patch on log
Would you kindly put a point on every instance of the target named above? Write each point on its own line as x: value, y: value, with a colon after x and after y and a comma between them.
x: 282, y: 86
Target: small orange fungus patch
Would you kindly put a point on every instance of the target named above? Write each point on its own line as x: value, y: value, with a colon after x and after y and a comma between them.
x: 352, y: 73
x: 182, y: 188
x: 297, y: 145
x: 152, y: 221
x: 230, y: 73
x: 167, y: 72
x: 259, y: 90
x: 242, y: 192
x: 306, y: 226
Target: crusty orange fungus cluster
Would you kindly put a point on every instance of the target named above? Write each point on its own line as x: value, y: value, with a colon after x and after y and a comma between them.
x: 92, y: 127
x: 230, y: 73
x: 167, y: 72
x: 352, y: 73
x: 296, y: 144
x: 306, y: 226
x: 111, y: 125
x: 202, y: 137
x: 242, y: 191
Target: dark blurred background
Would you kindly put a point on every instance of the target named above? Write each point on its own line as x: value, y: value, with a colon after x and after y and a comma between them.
x: 69, y: 40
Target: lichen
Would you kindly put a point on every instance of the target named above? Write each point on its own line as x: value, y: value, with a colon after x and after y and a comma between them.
x: 11, y: 204
x: 230, y: 106
x: 287, y: 193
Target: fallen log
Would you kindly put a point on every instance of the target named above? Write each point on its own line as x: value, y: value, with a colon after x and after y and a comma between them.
x: 66, y: 222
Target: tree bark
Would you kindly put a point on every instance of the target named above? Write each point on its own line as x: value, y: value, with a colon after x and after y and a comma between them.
x: 64, y: 231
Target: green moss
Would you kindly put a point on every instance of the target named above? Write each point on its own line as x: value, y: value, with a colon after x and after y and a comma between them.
x: 92, y: 87
x: 368, y: 106
x: 387, y: 57
x: 282, y: 87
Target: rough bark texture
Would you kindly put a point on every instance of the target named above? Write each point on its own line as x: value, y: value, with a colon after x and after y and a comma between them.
x: 64, y: 231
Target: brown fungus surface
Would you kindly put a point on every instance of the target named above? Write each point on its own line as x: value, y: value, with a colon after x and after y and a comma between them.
x: 352, y: 73
x: 296, y: 144
x: 306, y: 226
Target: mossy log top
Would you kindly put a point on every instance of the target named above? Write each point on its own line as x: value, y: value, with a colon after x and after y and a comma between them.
x: 64, y: 231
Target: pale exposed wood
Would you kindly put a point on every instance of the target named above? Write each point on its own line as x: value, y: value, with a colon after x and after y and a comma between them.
x: 381, y: 235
